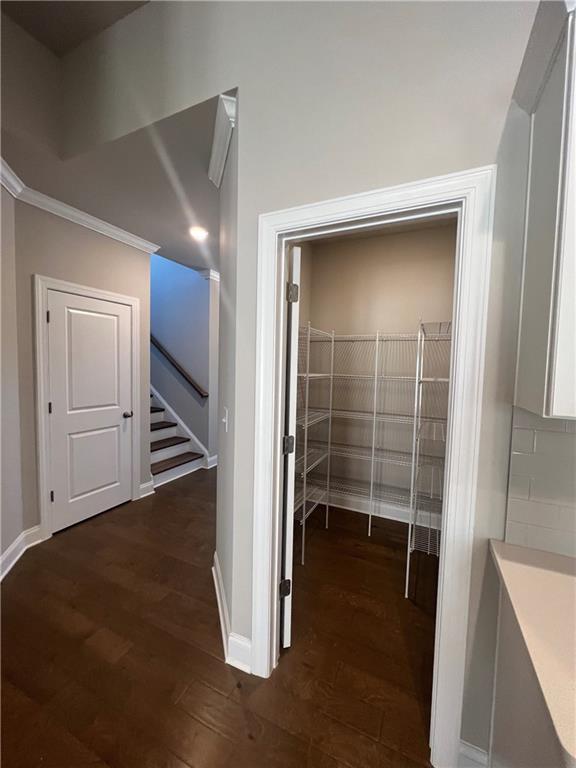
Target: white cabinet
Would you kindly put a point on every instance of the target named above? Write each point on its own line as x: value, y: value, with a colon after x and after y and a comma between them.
x: 546, y: 379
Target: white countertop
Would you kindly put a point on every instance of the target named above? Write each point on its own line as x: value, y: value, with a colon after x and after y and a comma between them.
x: 541, y: 587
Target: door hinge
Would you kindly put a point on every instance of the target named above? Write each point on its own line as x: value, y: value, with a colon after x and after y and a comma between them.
x: 48, y: 316
x: 51, y: 495
x: 287, y: 444
x: 49, y: 407
x: 285, y: 587
x: 292, y: 292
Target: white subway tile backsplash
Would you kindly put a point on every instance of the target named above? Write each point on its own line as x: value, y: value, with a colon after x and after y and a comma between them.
x: 528, y: 420
x: 545, y: 515
x: 537, y: 537
x: 519, y: 487
x: 523, y: 440
x: 542, y: 488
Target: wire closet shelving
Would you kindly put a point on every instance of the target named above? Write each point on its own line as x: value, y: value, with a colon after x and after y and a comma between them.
x: 314, y: 424
x: 384, y: 399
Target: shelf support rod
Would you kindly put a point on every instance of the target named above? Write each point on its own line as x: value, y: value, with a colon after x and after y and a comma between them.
x: 330, y: 428
x: 374, y: 410
x: 413, y: 473
x: 306, y: 402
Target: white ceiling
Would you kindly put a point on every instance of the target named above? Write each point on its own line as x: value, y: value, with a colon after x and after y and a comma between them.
x: 152, y: 183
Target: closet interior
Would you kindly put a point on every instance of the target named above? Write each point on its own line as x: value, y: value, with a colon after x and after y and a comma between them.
x: 371, y: 427
x: 373, y: 381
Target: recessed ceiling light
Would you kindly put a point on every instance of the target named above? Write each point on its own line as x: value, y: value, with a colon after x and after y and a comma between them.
x: 198, y: 233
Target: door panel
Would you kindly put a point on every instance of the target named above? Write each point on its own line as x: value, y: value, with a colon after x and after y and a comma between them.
x: 92, y: 360
x: 290, y: 459
x: 86, y: 475
x: 90, y: 387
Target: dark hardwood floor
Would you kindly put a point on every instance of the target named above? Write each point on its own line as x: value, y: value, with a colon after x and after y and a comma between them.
x: 112, y: 652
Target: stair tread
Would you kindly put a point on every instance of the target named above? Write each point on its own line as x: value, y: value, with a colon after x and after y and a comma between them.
x: 175, y: 461
x: 156, y: 425
x: 156, y: 409
x: 167, y: 442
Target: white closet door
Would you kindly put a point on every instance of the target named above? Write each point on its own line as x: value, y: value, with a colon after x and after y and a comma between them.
x: 90, y: 389
x: 290, y: 459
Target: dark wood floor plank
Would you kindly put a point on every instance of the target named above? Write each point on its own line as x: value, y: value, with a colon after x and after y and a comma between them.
x: 124, y: 668
x: 31, y: 738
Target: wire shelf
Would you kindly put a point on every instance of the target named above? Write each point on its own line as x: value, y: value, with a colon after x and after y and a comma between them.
x: 311, y: 418
x: 315, y: 495
x: 314, y: 457
x: 384, y: 392
x: 384, y: 456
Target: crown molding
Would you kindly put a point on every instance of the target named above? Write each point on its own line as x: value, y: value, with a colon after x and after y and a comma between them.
x: 210, y: 274
x: 10, y: 181
x: 223, y: 127
x: 13, y: 184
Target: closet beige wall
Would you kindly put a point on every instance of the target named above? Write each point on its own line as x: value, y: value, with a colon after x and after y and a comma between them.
x: 386, y: 282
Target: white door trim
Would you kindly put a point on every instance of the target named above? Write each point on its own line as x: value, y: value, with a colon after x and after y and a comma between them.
x: 41, y: 287
x: 471, y: 193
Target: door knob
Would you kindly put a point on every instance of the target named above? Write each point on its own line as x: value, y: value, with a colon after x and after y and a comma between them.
x: 128, y: 414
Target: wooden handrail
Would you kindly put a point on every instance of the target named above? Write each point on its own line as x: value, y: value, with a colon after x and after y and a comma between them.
x: 182, y: 371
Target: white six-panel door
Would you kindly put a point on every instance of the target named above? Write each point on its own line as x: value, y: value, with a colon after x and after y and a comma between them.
x: 90, y: 393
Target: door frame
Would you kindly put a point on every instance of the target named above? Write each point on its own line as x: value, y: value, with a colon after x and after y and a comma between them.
x: 471, y: 195
x: 42, y: 285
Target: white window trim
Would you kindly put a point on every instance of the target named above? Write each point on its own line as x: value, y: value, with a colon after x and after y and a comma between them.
x: 41, y: 287
x: 471, y: 193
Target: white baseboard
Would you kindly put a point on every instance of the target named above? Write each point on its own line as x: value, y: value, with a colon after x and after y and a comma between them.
x: 471, y: 756
x: 237, y: 648
x: 211, y: 461
x: 146, y: 489
x: 239, y: 652
x: 27, y: 539
x: 199, y: 447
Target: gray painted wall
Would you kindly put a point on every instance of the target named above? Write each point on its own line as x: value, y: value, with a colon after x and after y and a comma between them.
x: 12, y: 512
x: 51, y: 246
x: 503, y: 308
x: 225, y: 522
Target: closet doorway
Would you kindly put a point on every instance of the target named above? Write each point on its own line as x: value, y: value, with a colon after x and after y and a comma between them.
x: 368, y: 361
x: 470, y: 196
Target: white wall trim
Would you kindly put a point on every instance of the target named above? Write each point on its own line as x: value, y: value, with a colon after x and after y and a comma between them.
x: 14, y: 552
x: 471, y: 756
x: 9, y: 180
x: 212, y: 461
x: 20, y: 191
x: 146, y: 489
x: 223, y: 127
x: 41, y: 287
x: 210, y: 274
x: 198, y: 444
x: 471, y: 194
x: 237, y: 648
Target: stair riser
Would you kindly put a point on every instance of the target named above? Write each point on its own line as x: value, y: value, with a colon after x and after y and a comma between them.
x: 161, y: 433
x: 174, y: 474
x: 157, y: 417
x: 168, y: 453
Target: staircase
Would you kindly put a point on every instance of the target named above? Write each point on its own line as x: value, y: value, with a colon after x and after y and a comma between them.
x: 173, y: 453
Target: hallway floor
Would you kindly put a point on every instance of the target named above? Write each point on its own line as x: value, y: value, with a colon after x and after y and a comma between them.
x: 112, y: 651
